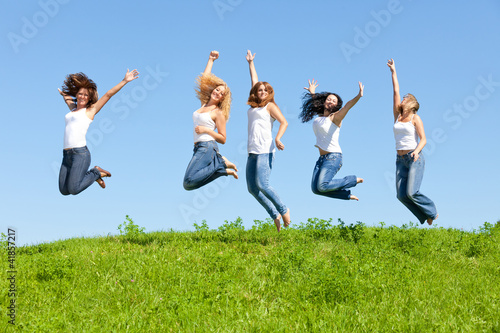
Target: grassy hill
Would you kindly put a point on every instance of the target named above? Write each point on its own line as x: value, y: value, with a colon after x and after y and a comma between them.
x: 315, y: 277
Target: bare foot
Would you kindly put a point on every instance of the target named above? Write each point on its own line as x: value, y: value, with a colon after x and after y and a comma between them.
x: 104, y: 173
x: 277, y: 223
x: 430, y: 219
x: 286, y: 218
x: 359, y: 180
x: 229, y: 164
x: 101, y: 183
x: 232, y: 173
x: 353, y: 197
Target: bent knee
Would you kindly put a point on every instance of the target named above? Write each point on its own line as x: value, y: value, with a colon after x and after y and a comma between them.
x: 315, y: 189
x: 411, y: 194
x: 188, y: 186
x: 73, y: 191
x: 403, y: 197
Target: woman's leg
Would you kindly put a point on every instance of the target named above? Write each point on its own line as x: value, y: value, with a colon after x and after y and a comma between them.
x: 415, y: 176
x: 205, y: 166
x: 255, y: 184
x: 63, y: 175
x: 402, y: 171
x: 79, y: 177
x: 328, y: 165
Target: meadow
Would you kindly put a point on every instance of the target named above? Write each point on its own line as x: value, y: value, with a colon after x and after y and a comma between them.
x: 316, y: 276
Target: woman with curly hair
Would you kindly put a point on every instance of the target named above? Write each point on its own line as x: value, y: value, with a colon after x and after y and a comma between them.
x: 410, y: 140
x: 261, y: 116
x: 207, y: 164
x: 80, y: 94
x: 330, y: 114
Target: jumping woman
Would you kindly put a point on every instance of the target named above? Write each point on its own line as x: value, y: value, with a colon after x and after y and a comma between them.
x: 330, y: 114
x: 261, y: 146
x: 410, y: 140
x: 80, y: 94
x: 215, y: 97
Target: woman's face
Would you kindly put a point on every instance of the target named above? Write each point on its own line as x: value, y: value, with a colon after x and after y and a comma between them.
x: 262, y: 92
x: 405, y: 100
x: 82, y: 97
x: 331, y: 102
x: 218, y: 93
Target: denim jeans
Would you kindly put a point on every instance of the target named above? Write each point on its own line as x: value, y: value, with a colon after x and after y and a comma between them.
x: 258, y: 172
x: 74, y: 176
x: 206, y: 165
x: 409, y: 176
x: 323, y: 183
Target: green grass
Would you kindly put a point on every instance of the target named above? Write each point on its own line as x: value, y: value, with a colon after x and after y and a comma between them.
x: 315, y: 277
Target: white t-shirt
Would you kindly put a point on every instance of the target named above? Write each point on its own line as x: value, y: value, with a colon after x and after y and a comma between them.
x: 327, y: 134
x: 405, y: 134
x: 260, y: 131
x: 77, y: 124
x: 202, y: 119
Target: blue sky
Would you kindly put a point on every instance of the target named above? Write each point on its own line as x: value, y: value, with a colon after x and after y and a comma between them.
x: 446, y: 55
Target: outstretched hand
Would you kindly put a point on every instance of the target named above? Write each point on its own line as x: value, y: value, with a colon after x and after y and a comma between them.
x: 62, y: 94
x: 249, y: 56
x: 361, y: 88
x: 214, y: 55
x: 131, y: 75
x: 312, y: 86
x: 391, y: 65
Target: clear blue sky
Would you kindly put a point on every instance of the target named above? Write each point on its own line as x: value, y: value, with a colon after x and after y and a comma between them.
x: 446, y: 55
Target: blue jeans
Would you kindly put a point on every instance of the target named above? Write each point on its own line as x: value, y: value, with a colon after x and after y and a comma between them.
x: 74, y: 176
x: 206, y: 165
x: 409, y: 176
x: 323, y: 183
x: 258, y: 172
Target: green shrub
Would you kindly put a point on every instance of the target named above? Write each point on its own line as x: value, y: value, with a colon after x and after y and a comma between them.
x: 129, y: 229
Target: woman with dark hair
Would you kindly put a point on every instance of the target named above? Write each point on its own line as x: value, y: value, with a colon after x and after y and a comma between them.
x: 207, y: 164
x: 410, y: 163
x: 261, y: 116
x: 330, y: 114
x: 80, y: 94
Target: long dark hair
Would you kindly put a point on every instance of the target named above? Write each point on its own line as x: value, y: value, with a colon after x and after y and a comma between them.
x: 314, y: 105
x: 74, y: 82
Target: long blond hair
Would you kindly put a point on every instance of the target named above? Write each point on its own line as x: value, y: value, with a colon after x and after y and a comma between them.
x: 411, y: 105
x: 206, y: 84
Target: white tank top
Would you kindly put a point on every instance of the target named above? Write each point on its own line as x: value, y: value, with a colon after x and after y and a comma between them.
x: 327, y: 134
x: 202, y: 119
x: 77, y: 124
x: 260, y: 131
x: 405, y: 134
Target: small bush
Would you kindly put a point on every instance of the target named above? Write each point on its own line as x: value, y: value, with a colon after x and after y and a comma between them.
x: 129, y: 229
x: 202, y: 227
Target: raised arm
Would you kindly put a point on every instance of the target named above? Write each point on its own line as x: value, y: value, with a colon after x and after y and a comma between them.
x: 251, y: 65
x: 214, y: 55
x: 70, y: 102
x: 395, y: 85
x: 275, y: 112
x: 337, y: 117
x: 312, y: 86
x: 129, y: 76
